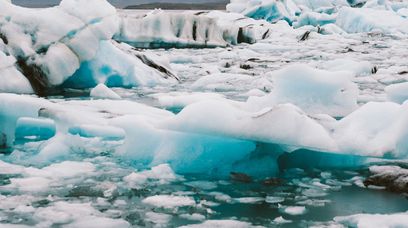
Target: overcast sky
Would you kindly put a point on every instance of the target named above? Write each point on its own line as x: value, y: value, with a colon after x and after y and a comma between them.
x: 117, y: 3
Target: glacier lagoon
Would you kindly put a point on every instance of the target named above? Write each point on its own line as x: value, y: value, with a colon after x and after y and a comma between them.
x: 273, y: 113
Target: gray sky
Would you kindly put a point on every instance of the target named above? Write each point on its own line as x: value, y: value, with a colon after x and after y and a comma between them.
x: 117, y: 3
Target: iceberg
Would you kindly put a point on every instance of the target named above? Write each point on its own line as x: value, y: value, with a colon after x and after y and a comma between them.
x: 77, y: 49
x: 397, y: 92
x: 314, y: 19
x: 283, y: 124
x: 119, y: 65
x: 49, y: 53
x: 298, y: 11
x: 375, y: 129
x: 222, y: 223
x: 271, y: 11
x: 161, y: 29
x: 313, y: 90
x: 359, y: 20
x: 215, y: 136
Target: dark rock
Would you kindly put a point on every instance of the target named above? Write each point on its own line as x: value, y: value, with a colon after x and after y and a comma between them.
x: 245, y: 66
x: 393, y: 178
x: 240, y: 177
x: 305, y: 36
x: 3, y: 38
x: 374, y: 70
x: 35, y: 75
x: 272, y: 181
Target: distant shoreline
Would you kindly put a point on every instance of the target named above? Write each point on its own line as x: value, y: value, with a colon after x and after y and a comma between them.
x: 165, y: 6
x: 181, y: 6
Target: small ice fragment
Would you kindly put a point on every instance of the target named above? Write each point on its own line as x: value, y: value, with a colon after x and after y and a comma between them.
x: 102, y: 91
x: 314, y: 193
x: 169, y: 201
x: 274, y: 199
x: 193, y: 217
x: 281, y: 220
x: 294, y: 210
x: 221, y: 196
x: 249, y: 200
x: 158, y: 218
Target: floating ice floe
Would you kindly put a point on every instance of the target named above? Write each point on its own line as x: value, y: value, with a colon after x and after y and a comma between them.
x: 374, y: 220
x: 182, y: 99
x: 193, y: 217
x: 315, y: 91
x: 397, y: 92
x: 228, y: 82
x: 222, y: 223
x: 39, y: 180
x: 77, y: 215
x: 81, y: 119
x: 280, y: 220
x: 159, y: 219
x: 102, y: 91
x: 161, y: 174
x: 293, y: 210
x: 358, y: 68
x: 169, y: 201
x: 375, y: 129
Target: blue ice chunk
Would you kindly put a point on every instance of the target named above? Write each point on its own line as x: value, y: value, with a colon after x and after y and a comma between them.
x: 40, y: 128
x: 308, y: 159
x: 104, y: 132
x: 269, y: 12
x: 82, y: 78
x: 314, y: 19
